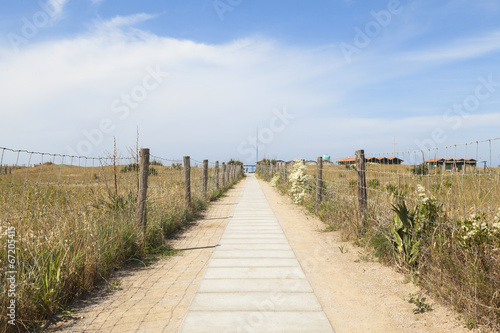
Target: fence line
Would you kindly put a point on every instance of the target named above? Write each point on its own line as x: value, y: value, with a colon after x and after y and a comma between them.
x: 434, y: 213
x: 67, y: 221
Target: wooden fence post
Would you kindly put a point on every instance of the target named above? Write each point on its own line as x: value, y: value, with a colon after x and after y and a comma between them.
x: 143, y: 187
x: 187, y: 182
x: 319, y: 182
x: 286, y: 172
x: 217, y: 174
x: 362, y: 196
x: 205, y: 178
x: 223, y: 174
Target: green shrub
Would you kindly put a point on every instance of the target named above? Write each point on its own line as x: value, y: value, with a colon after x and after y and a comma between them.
x: 421, y: 169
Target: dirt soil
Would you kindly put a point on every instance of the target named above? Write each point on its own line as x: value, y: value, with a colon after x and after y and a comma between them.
x: 356, y: 295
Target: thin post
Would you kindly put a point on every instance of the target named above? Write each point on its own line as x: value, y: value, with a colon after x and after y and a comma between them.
x: 223, y: 174
x: 362, y: 196
x: 205, y: 178
x: 187, y: 182
x: 319, y: 181
x: 286, y: 172
x: 143, y: 187
x: 217, y: 174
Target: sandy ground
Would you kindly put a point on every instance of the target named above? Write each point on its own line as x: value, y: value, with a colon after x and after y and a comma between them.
x: 356, y: 295
x: 155, y: 298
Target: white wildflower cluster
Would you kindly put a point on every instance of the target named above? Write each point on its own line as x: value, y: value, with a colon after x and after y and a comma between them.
x: 298, y: 180
x: 422, y: 195
x: 496, y: 222
x: 274, y: 181
x: 475, y: 228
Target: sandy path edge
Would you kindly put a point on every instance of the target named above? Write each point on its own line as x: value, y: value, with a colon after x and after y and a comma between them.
x: 356, y: 296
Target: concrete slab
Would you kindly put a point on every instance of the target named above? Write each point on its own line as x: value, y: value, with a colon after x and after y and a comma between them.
x: 255, y: 302
x: 252, y: 241
x: 220, y: 253
x: 254, y: 247
x: 254, y: 285
x: 262, y: 322
x: 254, y: 273
x: 256, y: 262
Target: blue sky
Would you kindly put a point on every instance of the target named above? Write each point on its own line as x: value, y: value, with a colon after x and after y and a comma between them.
x: 350, y: 75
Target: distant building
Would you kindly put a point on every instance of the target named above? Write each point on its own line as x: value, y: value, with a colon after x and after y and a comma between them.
x: 379, y: 160
x: 347, y: 161
x: 456, y: 164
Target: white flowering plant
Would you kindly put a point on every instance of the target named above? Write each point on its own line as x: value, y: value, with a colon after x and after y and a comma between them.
x: 275, y: 180
x: 475, y: 230
x: 429, y: 209
x: 299, y: 182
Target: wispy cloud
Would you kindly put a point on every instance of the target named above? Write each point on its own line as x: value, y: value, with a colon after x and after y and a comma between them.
x: 125, y: 21
x: 460, y: 49
x: 58, y: 8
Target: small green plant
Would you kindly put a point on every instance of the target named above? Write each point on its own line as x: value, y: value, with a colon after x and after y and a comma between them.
x: 130, y: 167
x: 95, y: 176
x: 330, y: 228
x: 448, y: 183
x: 153, y: 171
x: 363, y: 256
x: 421, y: 169
x: 176, y: 166
x: 341, y: 175
x: 343, y: 249
x: 114, y: 286
x: 353, y: 183
x: 155, y: 162
x: 469, y: 322
x: 420, y: 303
x: 66, y: 314
x: 404, y: 238
x: 374, y: 183
x: 391, y: 188
x: 436, y: 187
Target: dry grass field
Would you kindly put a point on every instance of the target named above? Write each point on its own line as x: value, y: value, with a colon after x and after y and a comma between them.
x: 65, y: 226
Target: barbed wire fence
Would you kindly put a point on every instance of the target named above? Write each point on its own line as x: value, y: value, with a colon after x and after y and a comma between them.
x: 432, y: 213
x: 67, y: 222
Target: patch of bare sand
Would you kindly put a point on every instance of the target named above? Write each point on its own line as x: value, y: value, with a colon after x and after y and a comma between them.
x: 155, y: 298
x: 356, y: 295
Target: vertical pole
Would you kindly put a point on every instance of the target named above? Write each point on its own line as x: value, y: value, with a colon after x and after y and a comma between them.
x: 143, y: 187
x: 286, y: 172
x: 217, y: 174
x: 223, y: 174
x: 362, y: 196
x: 319, y: 182
x: 187, y: 182
x: 205, y: 178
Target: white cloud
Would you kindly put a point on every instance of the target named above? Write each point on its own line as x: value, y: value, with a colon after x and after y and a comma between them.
x: 58, y: 7
x: 125, y: 21
x: 460, y: 49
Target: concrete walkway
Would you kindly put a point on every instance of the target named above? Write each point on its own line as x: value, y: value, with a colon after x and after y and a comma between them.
x: 254, y: 282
